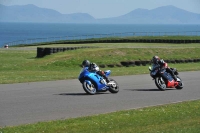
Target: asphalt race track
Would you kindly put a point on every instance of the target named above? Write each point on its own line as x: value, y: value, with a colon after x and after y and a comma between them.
x: 26, y: 103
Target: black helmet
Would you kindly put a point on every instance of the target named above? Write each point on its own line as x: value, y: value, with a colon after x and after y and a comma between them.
x: 86, y: 63
x: 155, y: 59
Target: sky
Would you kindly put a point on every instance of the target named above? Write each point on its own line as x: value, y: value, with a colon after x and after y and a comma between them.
x: 105, y: 8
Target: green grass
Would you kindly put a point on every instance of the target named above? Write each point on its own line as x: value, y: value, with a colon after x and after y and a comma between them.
x: 165, y: 37
x: 20, y: 65
x: 174, y: 118
x: 125, y: 45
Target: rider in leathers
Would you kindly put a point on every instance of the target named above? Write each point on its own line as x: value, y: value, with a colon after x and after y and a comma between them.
x: 94, y: 68
x: 160, y: 63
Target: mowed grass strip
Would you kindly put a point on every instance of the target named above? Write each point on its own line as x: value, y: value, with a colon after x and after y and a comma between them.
x: 119, y: 45
x: 185, y: 39
x: 22, y: 65
x: 173, y: 118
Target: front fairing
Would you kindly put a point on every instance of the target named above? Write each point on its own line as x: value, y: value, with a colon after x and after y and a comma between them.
x: 86, y: 75
x: 84, y: 71
x: 155, y: 66
x: 154, y: 71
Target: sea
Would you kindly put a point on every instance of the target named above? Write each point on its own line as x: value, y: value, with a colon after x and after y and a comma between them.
x: 16, y: 32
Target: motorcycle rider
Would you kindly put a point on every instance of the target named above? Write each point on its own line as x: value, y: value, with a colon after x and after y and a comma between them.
x: 94, y: 68
x: 160, y: 63
x: 86, y: 63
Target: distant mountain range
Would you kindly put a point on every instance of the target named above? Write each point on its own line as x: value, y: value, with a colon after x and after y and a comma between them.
x: 161, y: 15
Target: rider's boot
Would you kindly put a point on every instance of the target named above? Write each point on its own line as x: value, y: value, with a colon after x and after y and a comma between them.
x: 107, y: 80
x: 174, y: 77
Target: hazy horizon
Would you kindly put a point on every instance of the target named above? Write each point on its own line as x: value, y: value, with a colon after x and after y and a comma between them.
x: 103, y: 8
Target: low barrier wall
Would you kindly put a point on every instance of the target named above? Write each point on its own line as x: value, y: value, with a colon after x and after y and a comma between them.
x: 41, y: 52
x: 175, y: 41
x: 146, y: 62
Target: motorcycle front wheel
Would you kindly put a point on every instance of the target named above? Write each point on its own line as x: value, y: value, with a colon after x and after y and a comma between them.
x: 160, y: 83
x: 89, y: 88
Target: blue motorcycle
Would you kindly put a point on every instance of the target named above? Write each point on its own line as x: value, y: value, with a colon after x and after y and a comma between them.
x: 93, y: 83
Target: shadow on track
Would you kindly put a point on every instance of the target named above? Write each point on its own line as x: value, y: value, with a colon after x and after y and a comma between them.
x: 72, y: 94
x: 147, y: 89
x: 79, y: 94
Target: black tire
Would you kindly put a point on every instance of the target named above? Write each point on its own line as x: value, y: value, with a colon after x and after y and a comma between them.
x: 180, y: 84
x: 48, y: 51
x: 40, y: 52
x: 89, y: 89
x: 114, y: 89
x: 160, y: 84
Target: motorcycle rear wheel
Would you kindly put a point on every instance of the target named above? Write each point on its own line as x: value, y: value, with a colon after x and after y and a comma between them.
x: 89, y: 89
x: 160, y: 84
x: 114, y: 89
x: 180, y: 84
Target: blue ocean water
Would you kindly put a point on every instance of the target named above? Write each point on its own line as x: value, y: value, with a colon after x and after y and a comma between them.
x: 10, y: 32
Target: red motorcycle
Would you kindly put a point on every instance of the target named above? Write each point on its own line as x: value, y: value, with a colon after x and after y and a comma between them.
x: 169, y: 82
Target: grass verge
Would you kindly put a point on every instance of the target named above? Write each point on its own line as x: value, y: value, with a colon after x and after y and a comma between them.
x: 20, y: 65
x: 174, y: 118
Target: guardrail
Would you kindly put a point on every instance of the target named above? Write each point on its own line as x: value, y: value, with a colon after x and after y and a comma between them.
x: 98, y: 37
